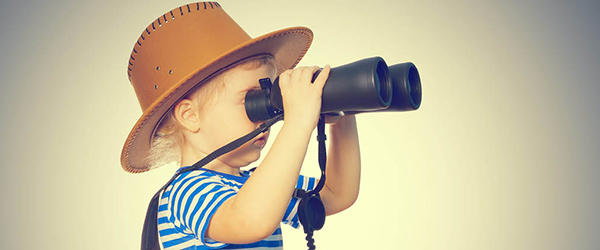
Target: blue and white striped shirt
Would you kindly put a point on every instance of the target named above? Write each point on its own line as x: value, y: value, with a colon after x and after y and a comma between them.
x: 189, y: 202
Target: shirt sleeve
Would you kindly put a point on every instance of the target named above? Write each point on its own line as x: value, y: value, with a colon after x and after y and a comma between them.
x: 194, y: 201
x: 291, y: 213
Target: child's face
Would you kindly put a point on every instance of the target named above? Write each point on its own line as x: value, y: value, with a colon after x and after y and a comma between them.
x: 225, y: 119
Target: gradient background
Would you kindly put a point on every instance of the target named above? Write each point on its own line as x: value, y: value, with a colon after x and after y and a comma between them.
x: 502, y: 154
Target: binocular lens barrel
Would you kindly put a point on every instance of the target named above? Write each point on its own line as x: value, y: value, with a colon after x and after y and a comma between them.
x: 358, y: 86
x: 407, y: 87
x: 367, y: 85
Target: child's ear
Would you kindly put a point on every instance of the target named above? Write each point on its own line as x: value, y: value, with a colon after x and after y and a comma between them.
x: 188, y: 115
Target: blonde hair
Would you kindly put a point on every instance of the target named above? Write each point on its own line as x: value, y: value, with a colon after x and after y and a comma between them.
x: 168, y: 139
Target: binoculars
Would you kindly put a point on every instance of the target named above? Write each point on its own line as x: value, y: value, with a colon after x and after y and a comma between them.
x: 367, y: 85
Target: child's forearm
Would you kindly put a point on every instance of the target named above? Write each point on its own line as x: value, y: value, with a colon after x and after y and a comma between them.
x: 343, y: 166
x: 272, y: 183
x: 263, y: 199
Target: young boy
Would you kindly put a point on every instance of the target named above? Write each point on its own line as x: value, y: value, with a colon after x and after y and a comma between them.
x: 191, y: 69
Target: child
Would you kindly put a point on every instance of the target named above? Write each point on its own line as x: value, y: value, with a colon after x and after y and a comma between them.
x: 191, y: 69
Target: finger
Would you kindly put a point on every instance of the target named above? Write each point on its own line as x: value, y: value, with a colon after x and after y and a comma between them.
x: 335, y: 114
x: 332, y: 119
x: 284, y: 77
x: 322, y: 78
x: 307, y: 74
x: 297, y: 74
x: 287, y: 72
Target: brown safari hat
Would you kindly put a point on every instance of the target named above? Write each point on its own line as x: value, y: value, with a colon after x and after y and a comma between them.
x: 183, y: 48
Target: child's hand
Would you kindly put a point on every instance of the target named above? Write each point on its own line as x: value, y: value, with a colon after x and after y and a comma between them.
x: 301, y: 98
x: 333, y: 117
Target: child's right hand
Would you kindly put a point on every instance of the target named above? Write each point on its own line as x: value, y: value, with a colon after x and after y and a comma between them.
x: 250, y: 215
x: 301, y: 98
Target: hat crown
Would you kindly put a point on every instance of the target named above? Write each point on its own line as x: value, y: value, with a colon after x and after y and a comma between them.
x: 182, y: 49
x: 176, y: 44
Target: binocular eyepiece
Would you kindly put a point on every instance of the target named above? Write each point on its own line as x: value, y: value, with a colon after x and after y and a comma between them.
x: 367, y: 85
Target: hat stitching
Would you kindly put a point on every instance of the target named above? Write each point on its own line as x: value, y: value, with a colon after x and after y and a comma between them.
x: 160, y: 25
x: 151, y: 112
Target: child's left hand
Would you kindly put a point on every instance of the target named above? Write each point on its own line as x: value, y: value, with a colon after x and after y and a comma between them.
x: 332, y: 118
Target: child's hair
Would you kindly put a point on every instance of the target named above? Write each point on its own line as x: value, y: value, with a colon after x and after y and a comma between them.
x: 168, y: 139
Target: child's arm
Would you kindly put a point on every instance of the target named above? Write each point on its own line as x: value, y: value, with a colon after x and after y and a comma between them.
x: 343, y: 166
x: 257, y: 209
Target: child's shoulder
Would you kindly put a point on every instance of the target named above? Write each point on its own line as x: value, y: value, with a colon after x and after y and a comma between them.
x: 202, y: 177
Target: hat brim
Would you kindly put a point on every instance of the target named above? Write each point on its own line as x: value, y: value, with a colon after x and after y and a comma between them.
x: 287, y: 46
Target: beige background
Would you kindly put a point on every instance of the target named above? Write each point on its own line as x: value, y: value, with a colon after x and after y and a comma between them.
x: 503, y: 153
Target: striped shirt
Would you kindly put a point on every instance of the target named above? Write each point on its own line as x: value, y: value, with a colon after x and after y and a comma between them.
x: 188, y: 203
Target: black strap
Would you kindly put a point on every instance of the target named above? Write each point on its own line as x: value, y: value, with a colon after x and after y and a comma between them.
x: 150, y: 231
x: 321, y: 137
x: 311, y: 211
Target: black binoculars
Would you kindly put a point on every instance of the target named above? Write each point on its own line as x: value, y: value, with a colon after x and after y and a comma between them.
x: 367, y: 85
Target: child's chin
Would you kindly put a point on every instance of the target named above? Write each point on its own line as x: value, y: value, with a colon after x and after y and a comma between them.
x: 255, y: 156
